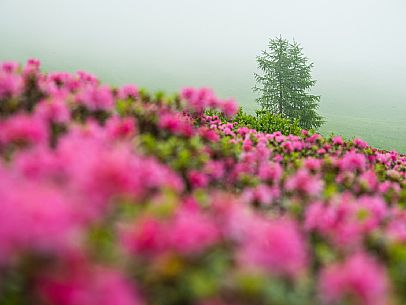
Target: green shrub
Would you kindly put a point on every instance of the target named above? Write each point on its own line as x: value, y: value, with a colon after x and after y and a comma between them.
x: 266, y: 122
x: 262, y: 121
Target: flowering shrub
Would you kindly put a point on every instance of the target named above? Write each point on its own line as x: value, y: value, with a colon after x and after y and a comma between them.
x: 115, y: 196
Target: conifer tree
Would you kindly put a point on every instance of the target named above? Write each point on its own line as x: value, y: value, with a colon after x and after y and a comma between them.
x: 285, y: 83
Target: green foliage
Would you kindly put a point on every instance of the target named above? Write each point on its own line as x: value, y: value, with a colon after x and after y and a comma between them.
x: 267, y: 122
x: 262, y: 121
x: 285, y: 83
x: 178, y: 153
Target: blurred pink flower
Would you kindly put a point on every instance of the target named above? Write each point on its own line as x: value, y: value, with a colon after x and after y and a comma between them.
x: 31, y: 67
x: 87, y: 285
x: 198, y: 179
x: 360, y: 143
x: 345, y: 221
x: 176, y: 124
x: 120, y: 128
x: 337, y: 140
x: 191, y: 232
x: 9, y: 67
x: 53, y: 110
x: 270, y: 171
x: 87, y: 78
x: 359, y: 277
x: 276, y: 246
x: 23, y: 128
x: 35, y: 218
x: 11, y: 85
x: 127, y: 91
x: 302, y: 181
x: 208, y: 134
x: 145, y: 237
x: 262, y: 194
x: 96, y: 98
x: 229, y: 108
x: 352, y: 161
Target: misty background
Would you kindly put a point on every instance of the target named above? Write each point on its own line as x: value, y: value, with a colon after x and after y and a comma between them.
x: 358, y: 49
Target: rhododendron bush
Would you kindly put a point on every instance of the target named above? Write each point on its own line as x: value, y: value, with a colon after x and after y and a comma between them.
x: 116, y: 196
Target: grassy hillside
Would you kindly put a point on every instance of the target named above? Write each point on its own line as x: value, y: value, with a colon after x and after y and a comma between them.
x: 384, y: 134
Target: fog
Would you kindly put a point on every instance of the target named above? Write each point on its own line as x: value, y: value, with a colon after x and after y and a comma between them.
x: 358, y: 49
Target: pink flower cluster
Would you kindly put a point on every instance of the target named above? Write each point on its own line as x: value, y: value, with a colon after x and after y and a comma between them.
x: 360, y: 278
x: 115, y: 196
x: 204, y: 98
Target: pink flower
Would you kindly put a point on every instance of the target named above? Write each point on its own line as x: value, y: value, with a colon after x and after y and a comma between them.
x: 214, y: 169
x: 346, y: 221
x: 208, y: 134
x: 384, y: 158
x: 87, y: 78
x: 11, y: 85
x: 128, y: 91
x: 317, y: 218
x: 145, y: 237
x: 242, y: 131
x: 60, y: 78
x: 277, y: 158
x: 393, y: 174
x: 176, y: 124
x: 35, y: 218
x: 369, y: 180
x: 313, y: 138
x: 270, y: 171
x: 275, y: 246
x: 389, y: 186
x: 198, y: 179
x: 119, y: 128
x: 199, y: 99
x: 359, y: 143
x: 23, y: 128
x: 9, y: 67
x: 262, y: 194
x: 359, y: 277
x: 279, y: 138
x: 187, y: 93
x: 192, y: 232
x: 87, y: 285
x: 312, y: 164
x: 338, y: 140
x: 229, y: 108
x: 101, y: 170
x: 288, y: 147
x: 302, y: 181
x: 353, y: 161
x: 371, y: 211
x: 298, y: 145
x: 247, y: 144
x: 339, y: 224
x: 32, y: 67
x: 53, y: 110
x: 40, y: 163
x: 96, y: 98
x: 396, y: 230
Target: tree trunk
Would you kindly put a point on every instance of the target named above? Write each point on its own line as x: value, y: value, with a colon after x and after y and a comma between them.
x: 280, y: 95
